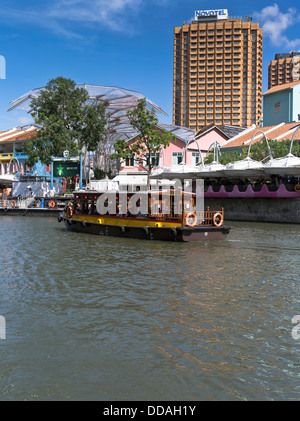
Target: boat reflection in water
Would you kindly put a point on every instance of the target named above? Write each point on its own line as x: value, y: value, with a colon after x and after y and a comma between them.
x: 155, y: 215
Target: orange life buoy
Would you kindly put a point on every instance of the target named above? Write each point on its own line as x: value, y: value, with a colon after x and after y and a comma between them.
x: 218, y: 219
x: 13, y: 203
x: 297, y: 188
x: 52, y: 204
x: 5, y: 191
x: 187, y: 219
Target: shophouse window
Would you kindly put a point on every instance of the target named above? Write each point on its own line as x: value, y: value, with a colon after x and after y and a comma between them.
x: 129, y: 162
x: 176, y: 158
x: 154, y: 160
x: 195, y: 158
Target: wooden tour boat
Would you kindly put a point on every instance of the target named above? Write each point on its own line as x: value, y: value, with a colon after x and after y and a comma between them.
x: 167, y: 216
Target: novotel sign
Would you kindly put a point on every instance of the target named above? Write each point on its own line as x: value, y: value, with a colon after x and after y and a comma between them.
x: 219, y: 14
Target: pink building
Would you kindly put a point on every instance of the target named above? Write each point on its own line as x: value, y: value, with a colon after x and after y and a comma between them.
x: 188, y: 146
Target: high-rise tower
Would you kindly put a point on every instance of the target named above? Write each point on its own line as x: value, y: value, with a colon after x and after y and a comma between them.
x: 217, y: 71
x: 285, y: 68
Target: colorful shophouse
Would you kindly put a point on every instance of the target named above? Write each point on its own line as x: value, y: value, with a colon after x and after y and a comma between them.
x: 12, y: 156
x: 187, y: 146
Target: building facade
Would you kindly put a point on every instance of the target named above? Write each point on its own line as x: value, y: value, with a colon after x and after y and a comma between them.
x: 282, y: 104
x: 186, y: 147
x: 217, y: 71
x: 12, y: 156
x: 285, y: 68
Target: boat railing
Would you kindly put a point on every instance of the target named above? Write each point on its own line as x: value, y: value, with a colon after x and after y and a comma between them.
x: 203, y: 218
x: 165, y: 217
x: 207, y: 217
x: 19, y: 202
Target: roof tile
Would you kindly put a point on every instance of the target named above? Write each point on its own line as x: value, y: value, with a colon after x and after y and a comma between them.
x: 282, y: 87
x: 271, y: 132
x: 16, y: 135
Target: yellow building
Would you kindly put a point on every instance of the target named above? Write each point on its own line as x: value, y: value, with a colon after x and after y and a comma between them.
x: 284, y: 69
x: 217, y: 71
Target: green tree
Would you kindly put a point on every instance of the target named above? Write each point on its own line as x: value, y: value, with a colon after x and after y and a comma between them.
x: 259, y: 150
x: 65, y: 120
x: 279, y: 149
x: 226, y: 157
x: 149, y: 142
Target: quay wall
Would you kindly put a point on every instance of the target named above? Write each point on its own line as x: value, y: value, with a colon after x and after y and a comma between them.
x: 257, y: 209
x: 29, y: 212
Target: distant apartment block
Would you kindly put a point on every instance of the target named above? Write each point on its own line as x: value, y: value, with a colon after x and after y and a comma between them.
x: 217, y: 71
x: 284, y: 69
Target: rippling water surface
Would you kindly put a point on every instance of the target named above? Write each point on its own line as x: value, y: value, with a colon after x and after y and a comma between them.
x: 100, y: 318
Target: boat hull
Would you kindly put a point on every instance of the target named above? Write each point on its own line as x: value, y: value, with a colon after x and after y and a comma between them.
x: 181, y: 234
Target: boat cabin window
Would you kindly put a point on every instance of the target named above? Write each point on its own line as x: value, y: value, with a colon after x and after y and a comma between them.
x: 171, y: 206
x: 84, y: 205
x: 160, y: 205
x: 189, y: 204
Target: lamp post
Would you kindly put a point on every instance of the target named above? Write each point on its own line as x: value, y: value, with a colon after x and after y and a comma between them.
x: 52, y: 184
x: 80, y: 174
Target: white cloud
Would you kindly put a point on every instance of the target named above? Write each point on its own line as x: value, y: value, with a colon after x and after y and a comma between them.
x: 34, y: 18
x: 61, y: 16
x: 275, y: 23
x: 109, y: 13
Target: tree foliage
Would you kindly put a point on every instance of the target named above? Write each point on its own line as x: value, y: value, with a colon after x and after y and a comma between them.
x: 150, y: 140
x: 65, y: 120
x: 259, y: 150
x: 225, y: 157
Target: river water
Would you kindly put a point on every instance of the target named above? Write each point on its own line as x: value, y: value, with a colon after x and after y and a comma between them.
x: 106, y: 319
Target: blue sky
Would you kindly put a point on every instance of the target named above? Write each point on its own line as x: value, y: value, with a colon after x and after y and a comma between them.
x: 126, y: 43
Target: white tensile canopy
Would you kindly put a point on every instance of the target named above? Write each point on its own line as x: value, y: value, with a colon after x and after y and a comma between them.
x: 247, y: 167
x: 288, y: 165
x: 118, y: 102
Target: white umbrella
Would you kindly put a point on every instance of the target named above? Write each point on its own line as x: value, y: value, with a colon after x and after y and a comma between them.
x: 181, y: 170
x: 288, y: 165
x: 247, y: 167
x: 215, y: 169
